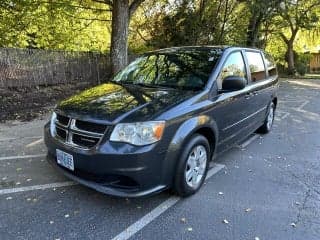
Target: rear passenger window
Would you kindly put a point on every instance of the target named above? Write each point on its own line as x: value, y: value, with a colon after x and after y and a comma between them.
x: 234, y: 66
x: 256, y: 66
x: 271, y: 66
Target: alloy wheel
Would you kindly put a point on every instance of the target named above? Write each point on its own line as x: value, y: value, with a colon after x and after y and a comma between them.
x: 196, y: 166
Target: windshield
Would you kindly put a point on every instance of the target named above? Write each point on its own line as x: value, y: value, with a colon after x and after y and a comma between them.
x: 187, y: 69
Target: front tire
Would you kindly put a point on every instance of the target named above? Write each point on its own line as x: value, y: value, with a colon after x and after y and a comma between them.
x: 192, y: 167
x: 268, y: 122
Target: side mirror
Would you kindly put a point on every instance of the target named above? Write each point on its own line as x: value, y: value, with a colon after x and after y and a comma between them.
x: 233, y: 83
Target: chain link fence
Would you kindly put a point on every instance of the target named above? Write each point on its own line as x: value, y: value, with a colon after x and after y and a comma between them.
x: 35, y: 67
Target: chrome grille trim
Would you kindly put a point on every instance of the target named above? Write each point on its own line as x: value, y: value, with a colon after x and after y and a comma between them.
x: 71, y: 129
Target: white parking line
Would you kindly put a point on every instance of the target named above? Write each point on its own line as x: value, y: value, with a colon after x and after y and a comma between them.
x: 34, y: 143
x: 250, y: 140
x: 22, y: 157
x: 37, y: 187
x: 156, y: 212
x: 303, y: 104
x: 15, y: 138
x: 285, y: 116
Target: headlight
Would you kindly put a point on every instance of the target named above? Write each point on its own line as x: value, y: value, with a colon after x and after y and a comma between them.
x: 140, y: 133
x: 52, y: 124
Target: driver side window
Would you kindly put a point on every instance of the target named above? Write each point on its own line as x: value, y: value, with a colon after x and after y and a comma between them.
x: 233, y: 66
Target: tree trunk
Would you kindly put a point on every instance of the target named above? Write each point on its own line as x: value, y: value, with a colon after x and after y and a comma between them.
x: 119, y: 36
x: 290, y: 55
x: 290, y: 51
x: 253, y: 30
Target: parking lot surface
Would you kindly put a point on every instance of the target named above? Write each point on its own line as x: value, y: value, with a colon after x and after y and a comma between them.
x: 266, y: 188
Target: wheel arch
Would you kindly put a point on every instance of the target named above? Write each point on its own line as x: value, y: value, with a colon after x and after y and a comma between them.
x: 202, y: 124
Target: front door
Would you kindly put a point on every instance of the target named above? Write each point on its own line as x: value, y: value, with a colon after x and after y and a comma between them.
x: 232, y: 108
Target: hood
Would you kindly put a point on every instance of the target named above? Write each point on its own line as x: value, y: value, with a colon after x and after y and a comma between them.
x: 113, y: 102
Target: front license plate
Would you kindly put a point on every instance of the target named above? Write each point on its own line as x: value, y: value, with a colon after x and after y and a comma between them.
x: 65, y: 159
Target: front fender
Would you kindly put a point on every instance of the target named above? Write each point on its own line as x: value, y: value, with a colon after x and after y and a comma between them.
x: 182, y: 135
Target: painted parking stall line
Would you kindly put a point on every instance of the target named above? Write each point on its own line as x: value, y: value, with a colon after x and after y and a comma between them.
x: 35, y: 143
x: 22, y: 157
x: 37, y: 187
x: 303, y: 104
x: 249, y: 141
x: 160, y: 209
x: 15, y: 138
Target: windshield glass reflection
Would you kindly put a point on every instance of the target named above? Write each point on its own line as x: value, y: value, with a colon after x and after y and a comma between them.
x: 187, y: 69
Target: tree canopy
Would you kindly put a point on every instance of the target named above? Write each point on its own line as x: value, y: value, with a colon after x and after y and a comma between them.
x: 282, y: 27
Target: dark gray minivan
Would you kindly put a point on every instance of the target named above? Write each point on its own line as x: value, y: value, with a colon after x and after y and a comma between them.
x: 158, y: 123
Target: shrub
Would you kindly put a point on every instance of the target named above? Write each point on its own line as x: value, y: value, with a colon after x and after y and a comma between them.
x: 302, y: 63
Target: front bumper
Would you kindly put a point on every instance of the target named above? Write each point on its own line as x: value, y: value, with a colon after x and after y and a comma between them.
x: 114, y: 168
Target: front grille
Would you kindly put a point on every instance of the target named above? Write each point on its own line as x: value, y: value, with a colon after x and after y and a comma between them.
x: 91, y: 127
x: 84, y: 140
x: 61, y: 133
x: 78, y: 133
x: 63, y: 120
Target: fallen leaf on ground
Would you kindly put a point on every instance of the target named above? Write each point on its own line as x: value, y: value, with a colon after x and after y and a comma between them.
x: 183, y: 220
x: 189, y: 229
x: 248, y: 210
x: 9, y: 198
x: 293, y: 225
x: 66, y: 216
x: 220, y: 193
x: 225, y: 221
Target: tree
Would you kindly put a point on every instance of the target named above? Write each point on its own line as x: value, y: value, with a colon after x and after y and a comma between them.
x: 259, y: 12
x: 122, y: 11
x: 67, y: 24
x: 294, y: 16
x: 186, y: 22
x: 51, y: 24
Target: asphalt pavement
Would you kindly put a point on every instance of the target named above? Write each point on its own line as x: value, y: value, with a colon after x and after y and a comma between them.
x: 266, y: 188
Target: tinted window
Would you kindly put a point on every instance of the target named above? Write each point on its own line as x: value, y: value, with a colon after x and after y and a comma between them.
x: 185, y: 69
x: 256, y: 66
x: 234, y: 66
x: 271, y: 66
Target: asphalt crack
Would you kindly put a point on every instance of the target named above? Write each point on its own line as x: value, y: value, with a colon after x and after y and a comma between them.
x: 303, y: 206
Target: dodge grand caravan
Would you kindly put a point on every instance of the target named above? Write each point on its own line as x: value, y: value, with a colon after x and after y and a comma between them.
x: 158, y: 123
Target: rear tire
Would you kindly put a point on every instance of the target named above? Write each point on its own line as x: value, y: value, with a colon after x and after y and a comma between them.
x: 268, y: 122
x: 192, y: 166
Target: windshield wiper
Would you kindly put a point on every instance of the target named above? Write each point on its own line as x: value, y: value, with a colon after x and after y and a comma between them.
x: 189, y: 88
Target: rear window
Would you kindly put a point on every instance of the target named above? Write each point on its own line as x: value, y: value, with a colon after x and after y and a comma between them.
x: 271, y: 66
x: 256, y: 66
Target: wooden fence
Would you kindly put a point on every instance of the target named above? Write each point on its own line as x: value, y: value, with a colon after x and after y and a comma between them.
x: 34, y: 67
